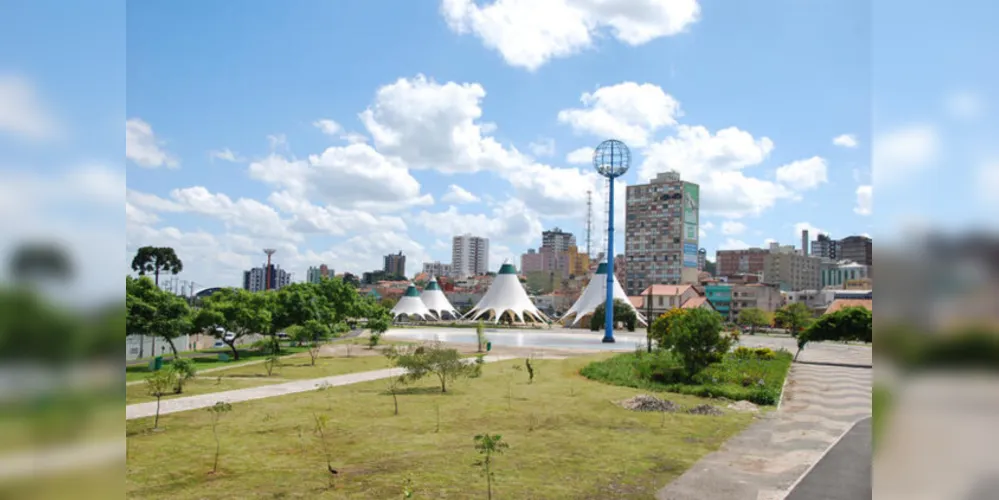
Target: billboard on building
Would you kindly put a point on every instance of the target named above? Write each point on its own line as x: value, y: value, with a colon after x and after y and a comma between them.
x: 691, y: 208
x: 689, y: 255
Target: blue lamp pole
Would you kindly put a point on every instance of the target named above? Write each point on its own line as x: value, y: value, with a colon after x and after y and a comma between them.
x: 611, y: 160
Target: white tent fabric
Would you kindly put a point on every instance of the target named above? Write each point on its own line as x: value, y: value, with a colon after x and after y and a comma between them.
x: 411, y: 306
x: 436, y: 301
x: 594, y: 295
x: 506, y: 295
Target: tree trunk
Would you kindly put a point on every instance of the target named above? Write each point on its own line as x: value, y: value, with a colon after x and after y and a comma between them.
x: 443, y: 383
x: 395, y: 401
x: 796, y: 354
x: 215, y: 466
x: 235, y: 353
x: 489, y: 482
x: 156, y: 419
x: 172, y: 347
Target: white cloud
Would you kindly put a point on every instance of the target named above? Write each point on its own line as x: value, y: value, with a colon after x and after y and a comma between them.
x: 21, y: 111
x: 865, y: 200
x: 331, y: 220
x: 812, y: 232
x: 733, y: 244
x: 988, y: 184
x: 225, y: 154
x: 328, y: 127
x: 802, y: 175
x: 731, y: 227
x: 354, y: 138
x: 142, y: 147
x: 904, y: 151
x: 846, y: 141
x: 543, y: 147
x: 511, y: 221
x: 964, y: 105
x: 528, y: 33
x: 716, y: 162
x: 627, y: 111
x: 353, y: 176
x: 581, y: 156
x: 277, y: 141
x: 707, y: 225
x: 458, y: 194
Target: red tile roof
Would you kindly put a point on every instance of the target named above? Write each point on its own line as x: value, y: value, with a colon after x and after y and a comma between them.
x: 695, y: 302
x: 638, y: 302
x: 843, y: 303
x: 666, y: 290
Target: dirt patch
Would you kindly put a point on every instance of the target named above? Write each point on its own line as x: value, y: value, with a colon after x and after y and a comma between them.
x: 705, y: 410
x: 644, y: 402
x: 744, y: 406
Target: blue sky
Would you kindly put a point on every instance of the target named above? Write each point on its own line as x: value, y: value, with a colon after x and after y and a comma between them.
x: 224, y: 156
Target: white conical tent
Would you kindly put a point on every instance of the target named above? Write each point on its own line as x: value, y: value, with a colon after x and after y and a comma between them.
x: 506, y: 296
x: 594, y: 295
x: 411, y: 306
x: 436, y: 302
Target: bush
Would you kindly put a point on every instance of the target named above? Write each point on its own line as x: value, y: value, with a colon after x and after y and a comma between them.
x: 695, y: 336
x: 849, y: 323
x: 623, y: 314
x: 744, y: 353
x: 660, y: 328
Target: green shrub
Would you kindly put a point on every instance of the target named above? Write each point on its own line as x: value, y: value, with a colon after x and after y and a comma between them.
x: 695, y: 336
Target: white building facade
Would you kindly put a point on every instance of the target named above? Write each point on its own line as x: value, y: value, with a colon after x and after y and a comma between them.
x: 469, y: 255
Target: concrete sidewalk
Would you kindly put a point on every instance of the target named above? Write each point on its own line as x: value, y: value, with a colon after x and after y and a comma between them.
x: 844, y: 473
x: 175, y: 405
x: 763, y: 462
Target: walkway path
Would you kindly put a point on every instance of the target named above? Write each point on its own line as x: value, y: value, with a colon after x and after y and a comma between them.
x: 175, y: 405
x: 844, y: 473
x: 820, y: 403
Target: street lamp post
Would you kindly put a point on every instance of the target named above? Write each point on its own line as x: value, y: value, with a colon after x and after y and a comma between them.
x: 611, y: 159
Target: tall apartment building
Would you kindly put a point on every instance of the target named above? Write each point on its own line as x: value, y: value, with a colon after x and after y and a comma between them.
x: 437, y: 268
x: 316, y: 274
x: 702, y: 259
x: 824, y: 246
x: 558, y: 240
x: 254, y: 279
x: 661, y: 232
x: 395, y: 264
x: 469, y: 255
x: 741, y: 261
x: 792, y: 271
x: 859, y: 249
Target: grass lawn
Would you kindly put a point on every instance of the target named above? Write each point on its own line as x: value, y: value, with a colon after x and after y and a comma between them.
x: 880, y: 407
x: 292, y: 368
x: 755, y: 380
x: 140, y: 372
x: 567, y: 437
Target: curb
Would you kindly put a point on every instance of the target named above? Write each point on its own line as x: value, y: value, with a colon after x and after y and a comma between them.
x: 823, y: 455
x: 780, y: 400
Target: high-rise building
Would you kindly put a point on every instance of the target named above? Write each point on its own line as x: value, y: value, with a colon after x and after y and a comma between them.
x: 792, y: 271
x: 255, y: 280
x: 661, y: 232
x: 741, y: 261
x: 395, y: 264
x: 702, y: 259
x: 316, y: 274
x: 824, y: 246
x: 859, y: 249
x: 558, y: 240
x: 804, y: 242
x: 437, y: 269
x: 469, y: 255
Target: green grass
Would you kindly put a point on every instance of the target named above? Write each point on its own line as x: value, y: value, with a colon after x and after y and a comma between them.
x: 141, y: 372
x: 732, y: 378
x: 567, y: 437
x: 291, y: 368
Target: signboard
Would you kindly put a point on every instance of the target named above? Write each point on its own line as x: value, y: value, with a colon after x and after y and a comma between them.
x: 691, y: 203
x: 690, y: 232
x: 689, y: 255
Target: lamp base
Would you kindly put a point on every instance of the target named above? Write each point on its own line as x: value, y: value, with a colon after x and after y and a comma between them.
x: 608, y: 340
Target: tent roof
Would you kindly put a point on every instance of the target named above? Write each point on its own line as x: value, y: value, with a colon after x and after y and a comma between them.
x: 507, y: 269
x: 432, y: 285
x: 595, y: 294
x: 507, y: 294
x: 411, y: 291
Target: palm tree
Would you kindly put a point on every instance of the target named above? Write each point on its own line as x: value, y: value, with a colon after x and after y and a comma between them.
x: 156, y: 259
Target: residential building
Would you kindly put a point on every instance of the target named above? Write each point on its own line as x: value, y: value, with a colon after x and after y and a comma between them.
x: 702, y: 259
x: 437, y: 268
x: 469, y: 255
x: 532, y: 261
x: 859, y: 249
x: 843, y: 272
x: 784, y: 249
x: 316, y: 274
x: 254, y: 279
x: 740, y: 262
x: 665, y: 297
x: 759, y: 295
x: 395, y: 264
x: 804, y: 242
x: 720, y: 296
x: 792, y: 271
x: 579, y: 263
x: 816, y: 300
x: 825, y: 247
x: 558, y: 240
x: 661, y: 232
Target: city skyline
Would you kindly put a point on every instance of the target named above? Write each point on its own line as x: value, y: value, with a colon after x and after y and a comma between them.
x: 435, y: 141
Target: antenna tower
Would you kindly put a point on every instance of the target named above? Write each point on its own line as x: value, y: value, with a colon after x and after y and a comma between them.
x: 267, y: 270
x: 589, y: 221
x: 603, y: 242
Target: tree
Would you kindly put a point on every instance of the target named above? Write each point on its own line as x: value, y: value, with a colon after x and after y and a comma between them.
x: 488, y: 445
x: 156, y: 260
x: 623, y: 314
x: 235, y: 312
x: 480, y: 335
x: 753, y: 317
x: 216, y: 411
x: 160, y: 384
x: 295, y: 304
x: 660, y: 328
x: 183, y: 369
x: 795, y: 317
x: 432, y: 359
x: 153, y: 312
x: 849, y: 323
x: 36, y: 262
x: 313, y: 334
x: 696, y: 338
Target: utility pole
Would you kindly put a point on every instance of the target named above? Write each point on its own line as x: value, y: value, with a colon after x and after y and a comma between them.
x: 648, y: 319
x: 589, y: 221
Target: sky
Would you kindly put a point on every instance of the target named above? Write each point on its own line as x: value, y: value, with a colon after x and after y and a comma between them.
x: 338, y: 132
